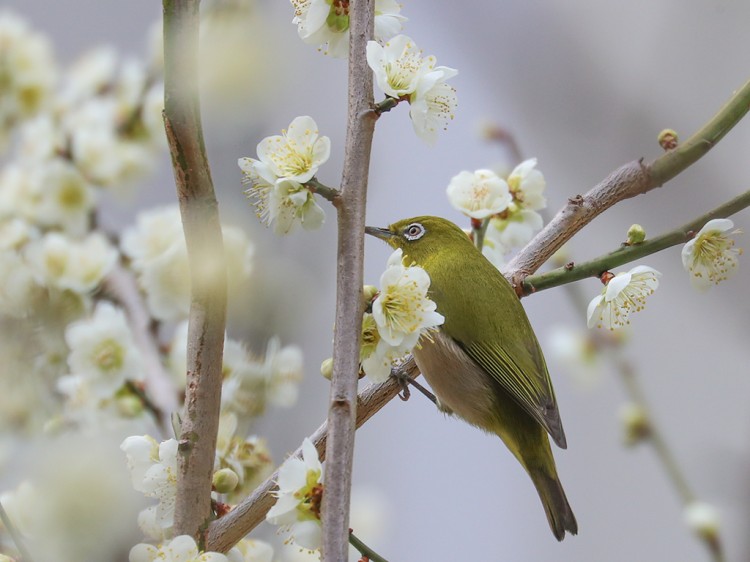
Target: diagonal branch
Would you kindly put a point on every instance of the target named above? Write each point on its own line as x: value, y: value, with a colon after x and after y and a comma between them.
x: 634, y: 178
x: 208, y: 276
x: 226, y: 532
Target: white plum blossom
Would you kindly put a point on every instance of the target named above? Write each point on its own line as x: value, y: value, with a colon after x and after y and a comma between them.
x: 28, y: 71
x: 326, y: 22
x: 625, y: 293
x: 297, y: 153
x: 102, y: 350
x: 478, y: 194
x: 527, y: 185
x: 516, y: 226
x: 76, y: 265
x: 285, y: 162
x: 297, y: 507
x: 180, y: 549
x: 153, y: 470
x: 431, y: 109
x: 710, y: 257
x: 403, y: 310
x: 18, y: 289
x: 401, y: 313
x: 402, y: 73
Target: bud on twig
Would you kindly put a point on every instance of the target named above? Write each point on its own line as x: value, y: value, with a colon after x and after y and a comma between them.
x: 668, y: 139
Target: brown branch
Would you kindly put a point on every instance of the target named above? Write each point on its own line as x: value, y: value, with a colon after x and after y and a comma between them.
x: 351, y: 230
x: 627, y: 181
x: 121, y: 285
x: 208, y: 276
x: 224, y: 533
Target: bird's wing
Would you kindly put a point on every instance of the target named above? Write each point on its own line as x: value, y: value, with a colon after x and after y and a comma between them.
x: 528, y: 383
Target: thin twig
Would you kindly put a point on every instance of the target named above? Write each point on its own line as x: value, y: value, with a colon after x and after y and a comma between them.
x: 121, y: 285
x: 349, y: 274
x: 634, y: 178
x: 208, y: 275
x: 364, y: 550
x: 627, y: 254
x: 14, y: 535
x: 224, y: 533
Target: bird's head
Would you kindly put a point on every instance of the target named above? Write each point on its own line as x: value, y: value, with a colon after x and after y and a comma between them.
x: 422, y: 237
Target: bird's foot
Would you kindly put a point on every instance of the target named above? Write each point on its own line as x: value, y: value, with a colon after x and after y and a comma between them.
x: 405, y: 380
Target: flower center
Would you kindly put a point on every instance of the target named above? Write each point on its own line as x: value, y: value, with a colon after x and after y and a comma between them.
x: 108, y: 356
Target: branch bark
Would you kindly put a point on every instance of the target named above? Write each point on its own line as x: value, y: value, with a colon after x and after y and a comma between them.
x: 349, y: 307
x: 208, y: 277
x: 634, y: 178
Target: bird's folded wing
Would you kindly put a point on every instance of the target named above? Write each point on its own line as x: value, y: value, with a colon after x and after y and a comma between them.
x: 527, y: 383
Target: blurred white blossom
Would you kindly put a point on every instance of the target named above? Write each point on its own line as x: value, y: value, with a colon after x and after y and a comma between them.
x: 102, y: 350
x: 28, y: 71
x: 251, y: 550
x: 180, y: 549
x: 710, y: 257
x: 158, y: 253
x: 64, y: 263
x: 625, y: 293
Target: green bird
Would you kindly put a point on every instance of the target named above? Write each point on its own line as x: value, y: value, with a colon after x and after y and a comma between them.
x: 484, y: 363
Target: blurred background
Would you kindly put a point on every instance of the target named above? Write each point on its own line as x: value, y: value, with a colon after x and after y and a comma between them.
x: 584, y: 86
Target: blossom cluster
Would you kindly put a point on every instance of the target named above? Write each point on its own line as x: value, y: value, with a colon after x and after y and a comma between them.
x: 509, y: 205
x: 400, y: 313
x: 276, y: 178
x: 403, y: 73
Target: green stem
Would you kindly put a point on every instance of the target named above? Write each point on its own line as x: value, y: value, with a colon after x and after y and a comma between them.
x: 330, y: 193
x: 14, y: 534
x: 627, y: 254
x: 479, y: 229
x: 365, y: 550
x: 675, y: 161
x: 386, y: 105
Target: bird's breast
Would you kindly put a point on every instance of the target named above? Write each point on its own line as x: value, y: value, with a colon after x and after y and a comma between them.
x: 458, y: 382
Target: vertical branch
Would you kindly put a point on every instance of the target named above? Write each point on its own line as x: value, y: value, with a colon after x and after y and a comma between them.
x: 208, y: 277
x: 351, y: 225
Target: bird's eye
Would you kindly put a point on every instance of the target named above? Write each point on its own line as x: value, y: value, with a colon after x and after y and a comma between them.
x: 414, y: 231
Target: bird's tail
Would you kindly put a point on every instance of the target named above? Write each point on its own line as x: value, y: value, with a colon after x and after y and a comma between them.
x: 556, y: 506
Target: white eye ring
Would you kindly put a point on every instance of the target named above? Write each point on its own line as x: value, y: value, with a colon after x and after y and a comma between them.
x: 414, y: 231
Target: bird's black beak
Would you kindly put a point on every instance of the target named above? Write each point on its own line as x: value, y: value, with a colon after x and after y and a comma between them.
x: 382, y: 233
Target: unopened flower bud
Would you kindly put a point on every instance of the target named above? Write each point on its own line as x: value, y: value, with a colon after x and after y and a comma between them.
x: 326, y: 368
x: 636, y: 234
x: 703, y: 520
x: 635, y: 423
x: 369, y: 292
x: 129, y: 406
x: 668, y: 139
x: 225, y: 480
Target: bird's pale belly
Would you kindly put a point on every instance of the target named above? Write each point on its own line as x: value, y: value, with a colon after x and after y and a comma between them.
x: 459, y: 384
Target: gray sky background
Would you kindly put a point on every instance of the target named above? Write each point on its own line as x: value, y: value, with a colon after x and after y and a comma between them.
x: 585, y: 86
